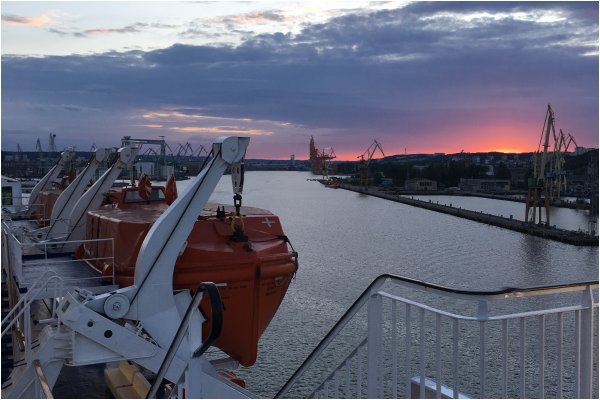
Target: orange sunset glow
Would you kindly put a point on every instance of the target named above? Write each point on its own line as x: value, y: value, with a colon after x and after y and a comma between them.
x: 515, y: 137
x: 419, y: 77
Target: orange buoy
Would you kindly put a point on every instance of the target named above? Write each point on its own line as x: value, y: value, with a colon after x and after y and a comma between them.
x: 170, y: 190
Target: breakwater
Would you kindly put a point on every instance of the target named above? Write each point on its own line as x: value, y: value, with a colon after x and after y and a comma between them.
x: 505, y: 197
x: 546, y: 232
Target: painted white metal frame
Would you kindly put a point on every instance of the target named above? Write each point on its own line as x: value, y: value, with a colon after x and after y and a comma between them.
x: 524, y: 354
x: 139, y: 322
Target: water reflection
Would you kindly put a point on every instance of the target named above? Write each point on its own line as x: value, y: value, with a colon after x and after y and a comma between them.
x: 345, y: 240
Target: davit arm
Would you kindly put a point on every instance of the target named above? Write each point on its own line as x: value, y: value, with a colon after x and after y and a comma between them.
x: 92, y: 198
x: 153, y: 302
x: 140, y: 322
x: 69, y: 197
x: 46, y: 182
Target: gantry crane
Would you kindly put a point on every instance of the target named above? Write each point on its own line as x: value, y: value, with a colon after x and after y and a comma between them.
x: 162, y: 162
x: 365, y: 160
x: 537, y: 188
x: 319, y: 160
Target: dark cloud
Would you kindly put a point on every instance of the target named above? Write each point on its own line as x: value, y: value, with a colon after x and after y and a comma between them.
x: 407, y: 70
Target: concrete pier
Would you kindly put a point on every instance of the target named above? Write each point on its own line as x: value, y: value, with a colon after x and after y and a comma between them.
x: 561, y: 235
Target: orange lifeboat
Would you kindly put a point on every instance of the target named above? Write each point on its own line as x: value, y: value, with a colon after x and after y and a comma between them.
x: 46, y: 199
x: 44, y: 204
x: 253, y: 274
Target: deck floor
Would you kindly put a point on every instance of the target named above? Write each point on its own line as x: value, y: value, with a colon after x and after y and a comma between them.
x: 74, y: 273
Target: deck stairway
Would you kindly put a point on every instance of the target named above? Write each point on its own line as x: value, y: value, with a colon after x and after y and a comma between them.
x: 32, y: 280
x: 407, y: 338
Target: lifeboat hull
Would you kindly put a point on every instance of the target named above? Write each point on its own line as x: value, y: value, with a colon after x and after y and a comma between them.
x: 44, y: 204
x: 253, y: 276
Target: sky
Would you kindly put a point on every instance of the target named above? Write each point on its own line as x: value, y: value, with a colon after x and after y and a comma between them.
x: 420, y: 77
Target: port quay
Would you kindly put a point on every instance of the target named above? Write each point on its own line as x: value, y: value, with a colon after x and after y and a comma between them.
x: 547, y: 232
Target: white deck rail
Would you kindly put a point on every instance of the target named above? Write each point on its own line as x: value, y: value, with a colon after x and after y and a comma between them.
x: 31, y: 272
x: 16, y: 249
x: 406, y: 338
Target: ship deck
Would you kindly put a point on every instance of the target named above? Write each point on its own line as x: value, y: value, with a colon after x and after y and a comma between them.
x: 62, y: 271
x: 73, y: 273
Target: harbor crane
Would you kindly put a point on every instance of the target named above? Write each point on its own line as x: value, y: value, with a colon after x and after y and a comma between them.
x: 162, y: 162
x: 200, y: 150
x: 182, y: 150
x: 319, y: 159
x: 52, y: 143
x: 538, y: 198
x: 150, y: 151
x: 364, y: 161
x: 558, y: 179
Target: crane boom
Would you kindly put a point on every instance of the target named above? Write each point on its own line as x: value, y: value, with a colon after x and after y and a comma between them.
x: 368, y: 154
x: 549, y: 125
x: 365, y: 159
x: 200, y: 150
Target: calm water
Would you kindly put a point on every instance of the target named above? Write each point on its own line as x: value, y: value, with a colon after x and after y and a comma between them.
x: 345, y: 240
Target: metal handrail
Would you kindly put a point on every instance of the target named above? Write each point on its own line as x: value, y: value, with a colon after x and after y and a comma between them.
x: 408, y: 282
x: 352, y: 354
x: 67, y: 242
x: 27, y: 299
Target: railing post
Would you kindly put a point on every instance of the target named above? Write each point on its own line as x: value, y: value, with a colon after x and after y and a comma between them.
x: 27, y: 332
x: 587, y: 344
x: 482, y: 316
x: 375, y: 347
x: 112, y: 244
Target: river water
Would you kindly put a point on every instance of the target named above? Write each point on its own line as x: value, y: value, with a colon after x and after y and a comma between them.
x: 345, y: 240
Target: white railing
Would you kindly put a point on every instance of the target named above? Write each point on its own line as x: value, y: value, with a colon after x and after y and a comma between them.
x: 14, y: 250
x: 406, y: 338
x: 20, y: 314
x: 17, y: 258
